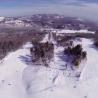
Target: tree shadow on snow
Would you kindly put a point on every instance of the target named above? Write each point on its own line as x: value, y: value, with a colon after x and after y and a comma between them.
x: 26, y: 59
x: 63, y: 57
x: 94, y: 47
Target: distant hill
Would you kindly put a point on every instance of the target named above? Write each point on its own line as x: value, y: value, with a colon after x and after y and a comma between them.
x: 39, y: 21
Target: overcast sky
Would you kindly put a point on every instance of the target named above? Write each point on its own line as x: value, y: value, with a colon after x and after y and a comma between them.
x: 81, y: 8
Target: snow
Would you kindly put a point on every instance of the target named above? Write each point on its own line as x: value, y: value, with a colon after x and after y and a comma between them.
x: 19, y: 78
x: 15, y: 22
x: 45, y: 39
x: 75, y: 31
x: 61, y: 31
x: 88, y: 81
x: 49, y: 38
x: 11, y: 84
x: 58, y: 31
x: 91, y: 68
x: 2, y: 18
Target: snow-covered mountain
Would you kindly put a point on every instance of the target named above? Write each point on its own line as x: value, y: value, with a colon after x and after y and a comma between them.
x: 12, y: 22
x: 22, y: 79
x: 54, y: 21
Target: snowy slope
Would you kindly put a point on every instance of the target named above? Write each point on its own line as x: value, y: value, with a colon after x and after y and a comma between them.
x: 11, y: 68
x: 57, y: 82
x: 89, y: 76
x: 21, y: 79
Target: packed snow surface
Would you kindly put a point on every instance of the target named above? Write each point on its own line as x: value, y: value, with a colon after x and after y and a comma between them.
x: 19, y: 78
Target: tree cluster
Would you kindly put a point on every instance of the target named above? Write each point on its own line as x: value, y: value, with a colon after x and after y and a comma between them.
x: 42, y: 51
x: 76, y: 53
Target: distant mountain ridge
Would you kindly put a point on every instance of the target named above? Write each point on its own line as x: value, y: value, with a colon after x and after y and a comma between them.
x: 47, y: 21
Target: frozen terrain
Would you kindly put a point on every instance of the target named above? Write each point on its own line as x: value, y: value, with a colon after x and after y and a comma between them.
x: 2, y: 18
x: 11, y: 69
x: 58, y: 31
x: 76, y: 31
x: 19, y: 78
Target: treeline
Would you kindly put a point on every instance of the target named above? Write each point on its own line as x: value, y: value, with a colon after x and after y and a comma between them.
x: 13, y: 41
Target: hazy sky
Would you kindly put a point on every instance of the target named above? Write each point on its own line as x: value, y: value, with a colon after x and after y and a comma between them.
x: 82, y: 8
